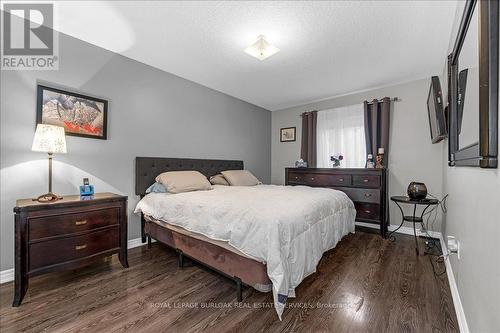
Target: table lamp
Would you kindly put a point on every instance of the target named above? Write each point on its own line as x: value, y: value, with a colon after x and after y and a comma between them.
x: 49, y: 139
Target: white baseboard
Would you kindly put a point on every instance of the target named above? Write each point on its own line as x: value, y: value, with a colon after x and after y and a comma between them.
x: 459, y: 310
x: 402, y: 230
x: 8, y: 274
x: 136, y: 242
x: 409, y: 231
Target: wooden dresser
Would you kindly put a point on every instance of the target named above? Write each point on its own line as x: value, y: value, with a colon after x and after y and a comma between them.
x: 367, y: 188
x: 67, y: 234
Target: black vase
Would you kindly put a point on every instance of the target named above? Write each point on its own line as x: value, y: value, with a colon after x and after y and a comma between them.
x: 417, y: 191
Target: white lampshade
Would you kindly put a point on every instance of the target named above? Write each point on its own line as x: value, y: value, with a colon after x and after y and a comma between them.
x: 261, y: 49
x: 49, y: 139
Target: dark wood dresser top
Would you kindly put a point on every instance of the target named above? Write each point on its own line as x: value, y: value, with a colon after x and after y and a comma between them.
x: 339, y: 170
x: 68, y: 200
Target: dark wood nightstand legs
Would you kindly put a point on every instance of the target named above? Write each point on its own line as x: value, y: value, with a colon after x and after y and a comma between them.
x: 143, y: 223
x: 122, y: 256
x: 21, y: 280
x: 20, y: 288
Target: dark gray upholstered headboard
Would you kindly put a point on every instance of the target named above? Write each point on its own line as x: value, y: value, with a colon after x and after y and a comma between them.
x: 147, y: 168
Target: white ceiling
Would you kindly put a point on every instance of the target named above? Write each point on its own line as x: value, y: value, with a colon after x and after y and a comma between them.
x: 328, y: 48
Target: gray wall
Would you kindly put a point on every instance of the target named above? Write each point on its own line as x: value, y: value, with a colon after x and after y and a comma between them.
x: 473, y: 217
x: 412, y: 155
x: 151, y: 113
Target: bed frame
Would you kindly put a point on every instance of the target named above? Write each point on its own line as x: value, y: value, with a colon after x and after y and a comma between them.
x: 242, y: 270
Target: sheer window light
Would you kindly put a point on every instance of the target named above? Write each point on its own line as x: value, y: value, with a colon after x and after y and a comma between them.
x: 341, y: 130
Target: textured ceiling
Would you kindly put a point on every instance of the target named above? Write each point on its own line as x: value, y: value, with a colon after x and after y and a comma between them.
x: 327, y: 48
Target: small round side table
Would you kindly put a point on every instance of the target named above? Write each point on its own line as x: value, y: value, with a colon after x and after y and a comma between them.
x: 414, y: 218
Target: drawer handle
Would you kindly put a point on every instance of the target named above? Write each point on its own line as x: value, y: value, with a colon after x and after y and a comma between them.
x: 81, y: 222
x: 296, y: 177
x: 368, y: 211
x: 341, y: 179
x: 81, y: 247
x: 368, y: 195
x: 312, y: 178
x: 366, y: 180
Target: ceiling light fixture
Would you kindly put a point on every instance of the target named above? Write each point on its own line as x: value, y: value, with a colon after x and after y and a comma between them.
x: 261, y: 49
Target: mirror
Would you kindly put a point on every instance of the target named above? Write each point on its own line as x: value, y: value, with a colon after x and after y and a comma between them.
x: 468, y: 87
x: 473, y: 87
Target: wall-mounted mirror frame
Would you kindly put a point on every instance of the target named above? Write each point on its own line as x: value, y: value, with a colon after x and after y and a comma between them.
x: 483, y: 154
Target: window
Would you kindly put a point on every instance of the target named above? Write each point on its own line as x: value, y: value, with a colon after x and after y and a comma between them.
x: 341, y: 130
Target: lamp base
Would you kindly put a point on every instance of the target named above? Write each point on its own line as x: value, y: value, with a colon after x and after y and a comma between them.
x: 48, y: 197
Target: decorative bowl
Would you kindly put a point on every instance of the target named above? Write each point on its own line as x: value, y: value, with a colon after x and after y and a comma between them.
x: 417, y: 191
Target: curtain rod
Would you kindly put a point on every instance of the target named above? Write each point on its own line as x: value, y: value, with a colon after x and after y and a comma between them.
x: 394, y: 99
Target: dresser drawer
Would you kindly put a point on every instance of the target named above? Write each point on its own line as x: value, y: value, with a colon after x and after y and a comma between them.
x: 318, y: 179
x: 361, y: 194
x: 327, y: 180
x: 367, y: 211
x: 296, y: 178
x: 366, y: 180
x: 46, y: 253
x: 47, y: 226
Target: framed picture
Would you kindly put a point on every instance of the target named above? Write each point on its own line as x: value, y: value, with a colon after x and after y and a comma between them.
x: 80, y: 115
x: 287, y: 134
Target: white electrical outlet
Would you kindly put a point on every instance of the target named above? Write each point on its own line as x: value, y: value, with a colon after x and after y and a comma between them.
x: 453, y: 246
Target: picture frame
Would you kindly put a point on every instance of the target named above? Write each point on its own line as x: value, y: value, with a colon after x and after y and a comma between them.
x: 80, y: 115
x: 288, y: 134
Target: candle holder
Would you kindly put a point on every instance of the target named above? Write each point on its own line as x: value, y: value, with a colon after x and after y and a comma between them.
x: 379, y: 160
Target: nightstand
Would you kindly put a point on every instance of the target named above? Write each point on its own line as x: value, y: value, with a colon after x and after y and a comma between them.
x: 412, y: 218
x: 67, y: 234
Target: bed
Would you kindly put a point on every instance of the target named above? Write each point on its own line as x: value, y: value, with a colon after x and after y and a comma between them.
x: 266, y: 236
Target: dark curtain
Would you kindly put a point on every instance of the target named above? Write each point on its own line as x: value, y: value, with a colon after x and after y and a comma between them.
x: 308, y: 143
x: 377, y: 127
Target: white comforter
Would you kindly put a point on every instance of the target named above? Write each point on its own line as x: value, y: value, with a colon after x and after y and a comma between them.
x: 288, y: 227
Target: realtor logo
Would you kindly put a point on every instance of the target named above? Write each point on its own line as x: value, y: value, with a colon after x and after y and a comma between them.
x: 28, y: 38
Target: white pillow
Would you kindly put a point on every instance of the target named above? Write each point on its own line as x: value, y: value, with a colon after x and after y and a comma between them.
x: 240, y: 178
x: 183, y: 181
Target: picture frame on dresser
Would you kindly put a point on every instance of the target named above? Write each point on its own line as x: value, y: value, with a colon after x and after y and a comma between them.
x: 367, y: 188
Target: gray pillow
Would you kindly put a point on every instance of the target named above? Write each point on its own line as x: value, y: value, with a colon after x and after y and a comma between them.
x: 156, y: 188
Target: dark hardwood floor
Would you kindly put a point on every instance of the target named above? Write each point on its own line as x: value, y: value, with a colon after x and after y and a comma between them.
x: 366, y: 284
